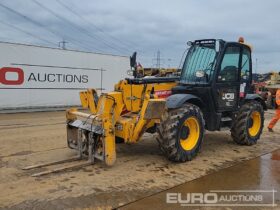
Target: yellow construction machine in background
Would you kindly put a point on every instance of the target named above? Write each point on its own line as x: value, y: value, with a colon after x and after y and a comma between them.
x: 159, y: 72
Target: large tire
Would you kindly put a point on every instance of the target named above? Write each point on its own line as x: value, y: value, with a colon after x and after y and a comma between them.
x: 248, y: 124
x: 181, y: 132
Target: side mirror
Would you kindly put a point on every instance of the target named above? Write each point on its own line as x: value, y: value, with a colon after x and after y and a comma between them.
x: 200, y: 74
x: 133, y: 60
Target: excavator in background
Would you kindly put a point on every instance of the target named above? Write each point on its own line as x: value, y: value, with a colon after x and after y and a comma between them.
x: 214, y: 92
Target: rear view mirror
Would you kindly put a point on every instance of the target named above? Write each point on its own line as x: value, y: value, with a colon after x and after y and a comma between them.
x: 133, y: 60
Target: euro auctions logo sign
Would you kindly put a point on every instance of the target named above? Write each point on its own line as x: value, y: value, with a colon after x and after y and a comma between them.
x: 11, y: 76
x: 234, y: 198
x: 47, y: 77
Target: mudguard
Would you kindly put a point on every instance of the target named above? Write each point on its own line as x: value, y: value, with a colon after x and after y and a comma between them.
x: 256, y: 97
x: 177, y: 100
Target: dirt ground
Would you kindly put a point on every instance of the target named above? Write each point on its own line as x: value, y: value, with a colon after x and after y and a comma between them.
x: 140, y: 170
x: 258, y: 176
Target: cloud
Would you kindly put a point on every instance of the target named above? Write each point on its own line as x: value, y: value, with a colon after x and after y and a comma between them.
x: 148, y: 26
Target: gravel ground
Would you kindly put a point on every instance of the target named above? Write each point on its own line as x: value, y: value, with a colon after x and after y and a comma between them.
x: 140, y: 170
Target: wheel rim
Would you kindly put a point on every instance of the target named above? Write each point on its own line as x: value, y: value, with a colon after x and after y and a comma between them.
x: 189, y: 134
x: 255, y: 123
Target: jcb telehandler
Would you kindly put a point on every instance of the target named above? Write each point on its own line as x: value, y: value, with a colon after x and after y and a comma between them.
x: 213, y: 92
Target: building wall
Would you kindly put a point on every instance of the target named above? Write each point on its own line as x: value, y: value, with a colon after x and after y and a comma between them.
x: 32, y: 76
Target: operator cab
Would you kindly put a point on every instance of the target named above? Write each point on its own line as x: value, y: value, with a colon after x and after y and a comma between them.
x: 214, y: 61
x: 214, y: 93
x: 219, y: 75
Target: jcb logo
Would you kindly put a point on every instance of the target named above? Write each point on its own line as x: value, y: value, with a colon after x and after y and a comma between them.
x: 7, y: 81
x: 228, y: 96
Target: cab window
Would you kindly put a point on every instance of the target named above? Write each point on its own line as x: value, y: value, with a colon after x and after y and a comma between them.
x: 229, y: 65
x: 245, y: 66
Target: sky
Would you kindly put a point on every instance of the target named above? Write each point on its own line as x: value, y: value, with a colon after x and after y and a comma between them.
x: 147, y: 26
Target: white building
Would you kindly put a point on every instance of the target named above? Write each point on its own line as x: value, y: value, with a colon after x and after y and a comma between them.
x: 40, y: 77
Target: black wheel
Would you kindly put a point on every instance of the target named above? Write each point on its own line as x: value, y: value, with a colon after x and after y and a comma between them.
x: 248, y: 124
x: 181, y: 132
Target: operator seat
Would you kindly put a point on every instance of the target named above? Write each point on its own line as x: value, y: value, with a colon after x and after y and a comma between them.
x: 229, y: 73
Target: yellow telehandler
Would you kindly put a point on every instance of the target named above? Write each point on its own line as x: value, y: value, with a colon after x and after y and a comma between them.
x: 214, y: 91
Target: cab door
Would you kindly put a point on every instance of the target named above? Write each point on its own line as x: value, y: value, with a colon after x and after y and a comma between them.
x: 246, y: 73
x: 228, y: 79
